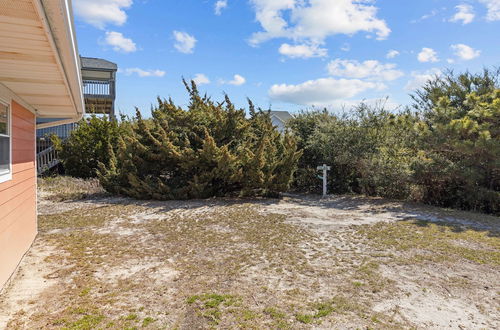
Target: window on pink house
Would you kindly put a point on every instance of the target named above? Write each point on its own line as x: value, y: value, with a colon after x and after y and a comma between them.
x: 5, y: 140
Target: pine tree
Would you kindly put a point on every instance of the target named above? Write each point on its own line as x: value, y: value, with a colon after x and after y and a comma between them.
x: 89, y: 143
x: 210, y: 149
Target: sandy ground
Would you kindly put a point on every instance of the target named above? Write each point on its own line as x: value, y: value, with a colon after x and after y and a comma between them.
x: 299, y: 262
x: 434, y: 308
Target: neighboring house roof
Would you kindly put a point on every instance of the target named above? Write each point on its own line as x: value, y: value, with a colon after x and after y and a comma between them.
x: 284, y: 116
x: 39, y: 59
x: 97, y: 63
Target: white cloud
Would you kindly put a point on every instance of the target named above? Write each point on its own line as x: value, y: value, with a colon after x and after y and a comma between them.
x: 302, y: 51
x: 324, y: 91
x: 201, y: 79
x: 345, y: 47
x: 144, y: 73
x: 428, y: 55
x: 185, y: 42
x: 493, y: 9
x: 433, y: 13
x: 238, y: 80
x: 315, y: 20
x: 465, y: 52
x: 219, y: 6
x: 392, y: 53
x: 419, y: 79
x: 99, y: 13
x: 370, y: 69
x: 119, y: 42
x: 464, y: 14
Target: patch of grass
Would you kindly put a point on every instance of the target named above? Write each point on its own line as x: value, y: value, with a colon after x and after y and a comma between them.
x: 82, y: 219
x: 249, y: 315
x: 278, y: 317
x: 304, y: 318
x: 209, y: 305
x: 426, y: 241
x: 212, y: 300
x: 85, y: 292
x: 366, y: 278
x: 274, y: 313
x: 323, y: 309
x: 319, y: 310
x: 192, y: 299
x: 64, y: 188
x: 337, y: 304
x: 131, y: 317
x: 87, y: 322
x: 147, y: 321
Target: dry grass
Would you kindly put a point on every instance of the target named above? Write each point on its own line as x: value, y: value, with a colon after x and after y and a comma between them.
x: 63, y: 188
x: 422, y: 241
x: 233, y: 264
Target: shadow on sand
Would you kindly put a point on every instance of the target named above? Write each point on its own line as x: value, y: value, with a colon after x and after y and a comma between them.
x: 423, y: 215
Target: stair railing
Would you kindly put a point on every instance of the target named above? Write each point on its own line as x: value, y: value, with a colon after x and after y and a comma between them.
x: 46, y: 160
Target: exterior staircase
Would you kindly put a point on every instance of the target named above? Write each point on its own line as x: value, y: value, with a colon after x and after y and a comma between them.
x: 46, y: 160
x: 46, y: 154
x: 99, y: 90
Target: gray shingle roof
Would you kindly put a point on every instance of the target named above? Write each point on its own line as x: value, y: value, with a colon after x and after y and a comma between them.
x: 284, y: 116
x: 97, y: 63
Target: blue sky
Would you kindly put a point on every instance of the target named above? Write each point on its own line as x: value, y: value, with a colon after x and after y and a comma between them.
x: 287, y: 54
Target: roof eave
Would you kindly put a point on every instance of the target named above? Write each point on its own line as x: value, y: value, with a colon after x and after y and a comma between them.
x: 57, y: 19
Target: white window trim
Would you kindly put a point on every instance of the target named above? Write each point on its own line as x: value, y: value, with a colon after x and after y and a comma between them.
x: 7, y: 176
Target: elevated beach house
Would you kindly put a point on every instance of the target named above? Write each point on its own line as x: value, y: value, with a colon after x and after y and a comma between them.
x: 40, y: 77
x: 280, y: 119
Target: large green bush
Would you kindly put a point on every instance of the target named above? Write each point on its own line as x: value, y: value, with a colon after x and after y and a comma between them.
x: 363, y: 147
x: 444, y: 151
x: 87, y: 146
x: 209, y: 149
x: 459, y: 136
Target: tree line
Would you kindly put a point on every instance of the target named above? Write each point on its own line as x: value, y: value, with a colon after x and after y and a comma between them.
x: 443, y: 149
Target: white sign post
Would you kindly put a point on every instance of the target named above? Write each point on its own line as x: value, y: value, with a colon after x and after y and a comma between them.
x: 325, y: 170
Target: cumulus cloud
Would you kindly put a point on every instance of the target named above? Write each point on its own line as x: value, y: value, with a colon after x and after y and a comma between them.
x: 302, y: 51
x: 464, y: 14
x: 419, y: 79
x: 119, y: 42
x: 99, y: 13
x: 428, y: 55
x: 392, y: 53
x: 370, y: 69
x: 321, y: 92
x: 184, y: 42
x: 219, y: 6
x: 465, y: 52
x: 315, y: 20
x: 201, y: 79
x: 493, y: 7
x: 144, y: 73
x: 237, y: 80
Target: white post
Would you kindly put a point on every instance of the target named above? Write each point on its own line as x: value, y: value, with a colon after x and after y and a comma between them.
x: 325, y: 170
x: 325, y: 173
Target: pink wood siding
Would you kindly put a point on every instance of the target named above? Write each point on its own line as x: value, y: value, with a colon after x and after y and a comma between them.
x: 18, y: 224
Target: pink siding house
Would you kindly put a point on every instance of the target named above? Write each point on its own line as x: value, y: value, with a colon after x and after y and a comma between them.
x: 39, y: 78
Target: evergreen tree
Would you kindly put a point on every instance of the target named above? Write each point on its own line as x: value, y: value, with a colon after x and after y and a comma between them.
x: 87, y: 146
x: 210, y: 149
x: 444, y: 150
x: 459, y: 164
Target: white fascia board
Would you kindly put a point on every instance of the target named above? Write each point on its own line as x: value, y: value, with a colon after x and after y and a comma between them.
x: 57, y: 19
